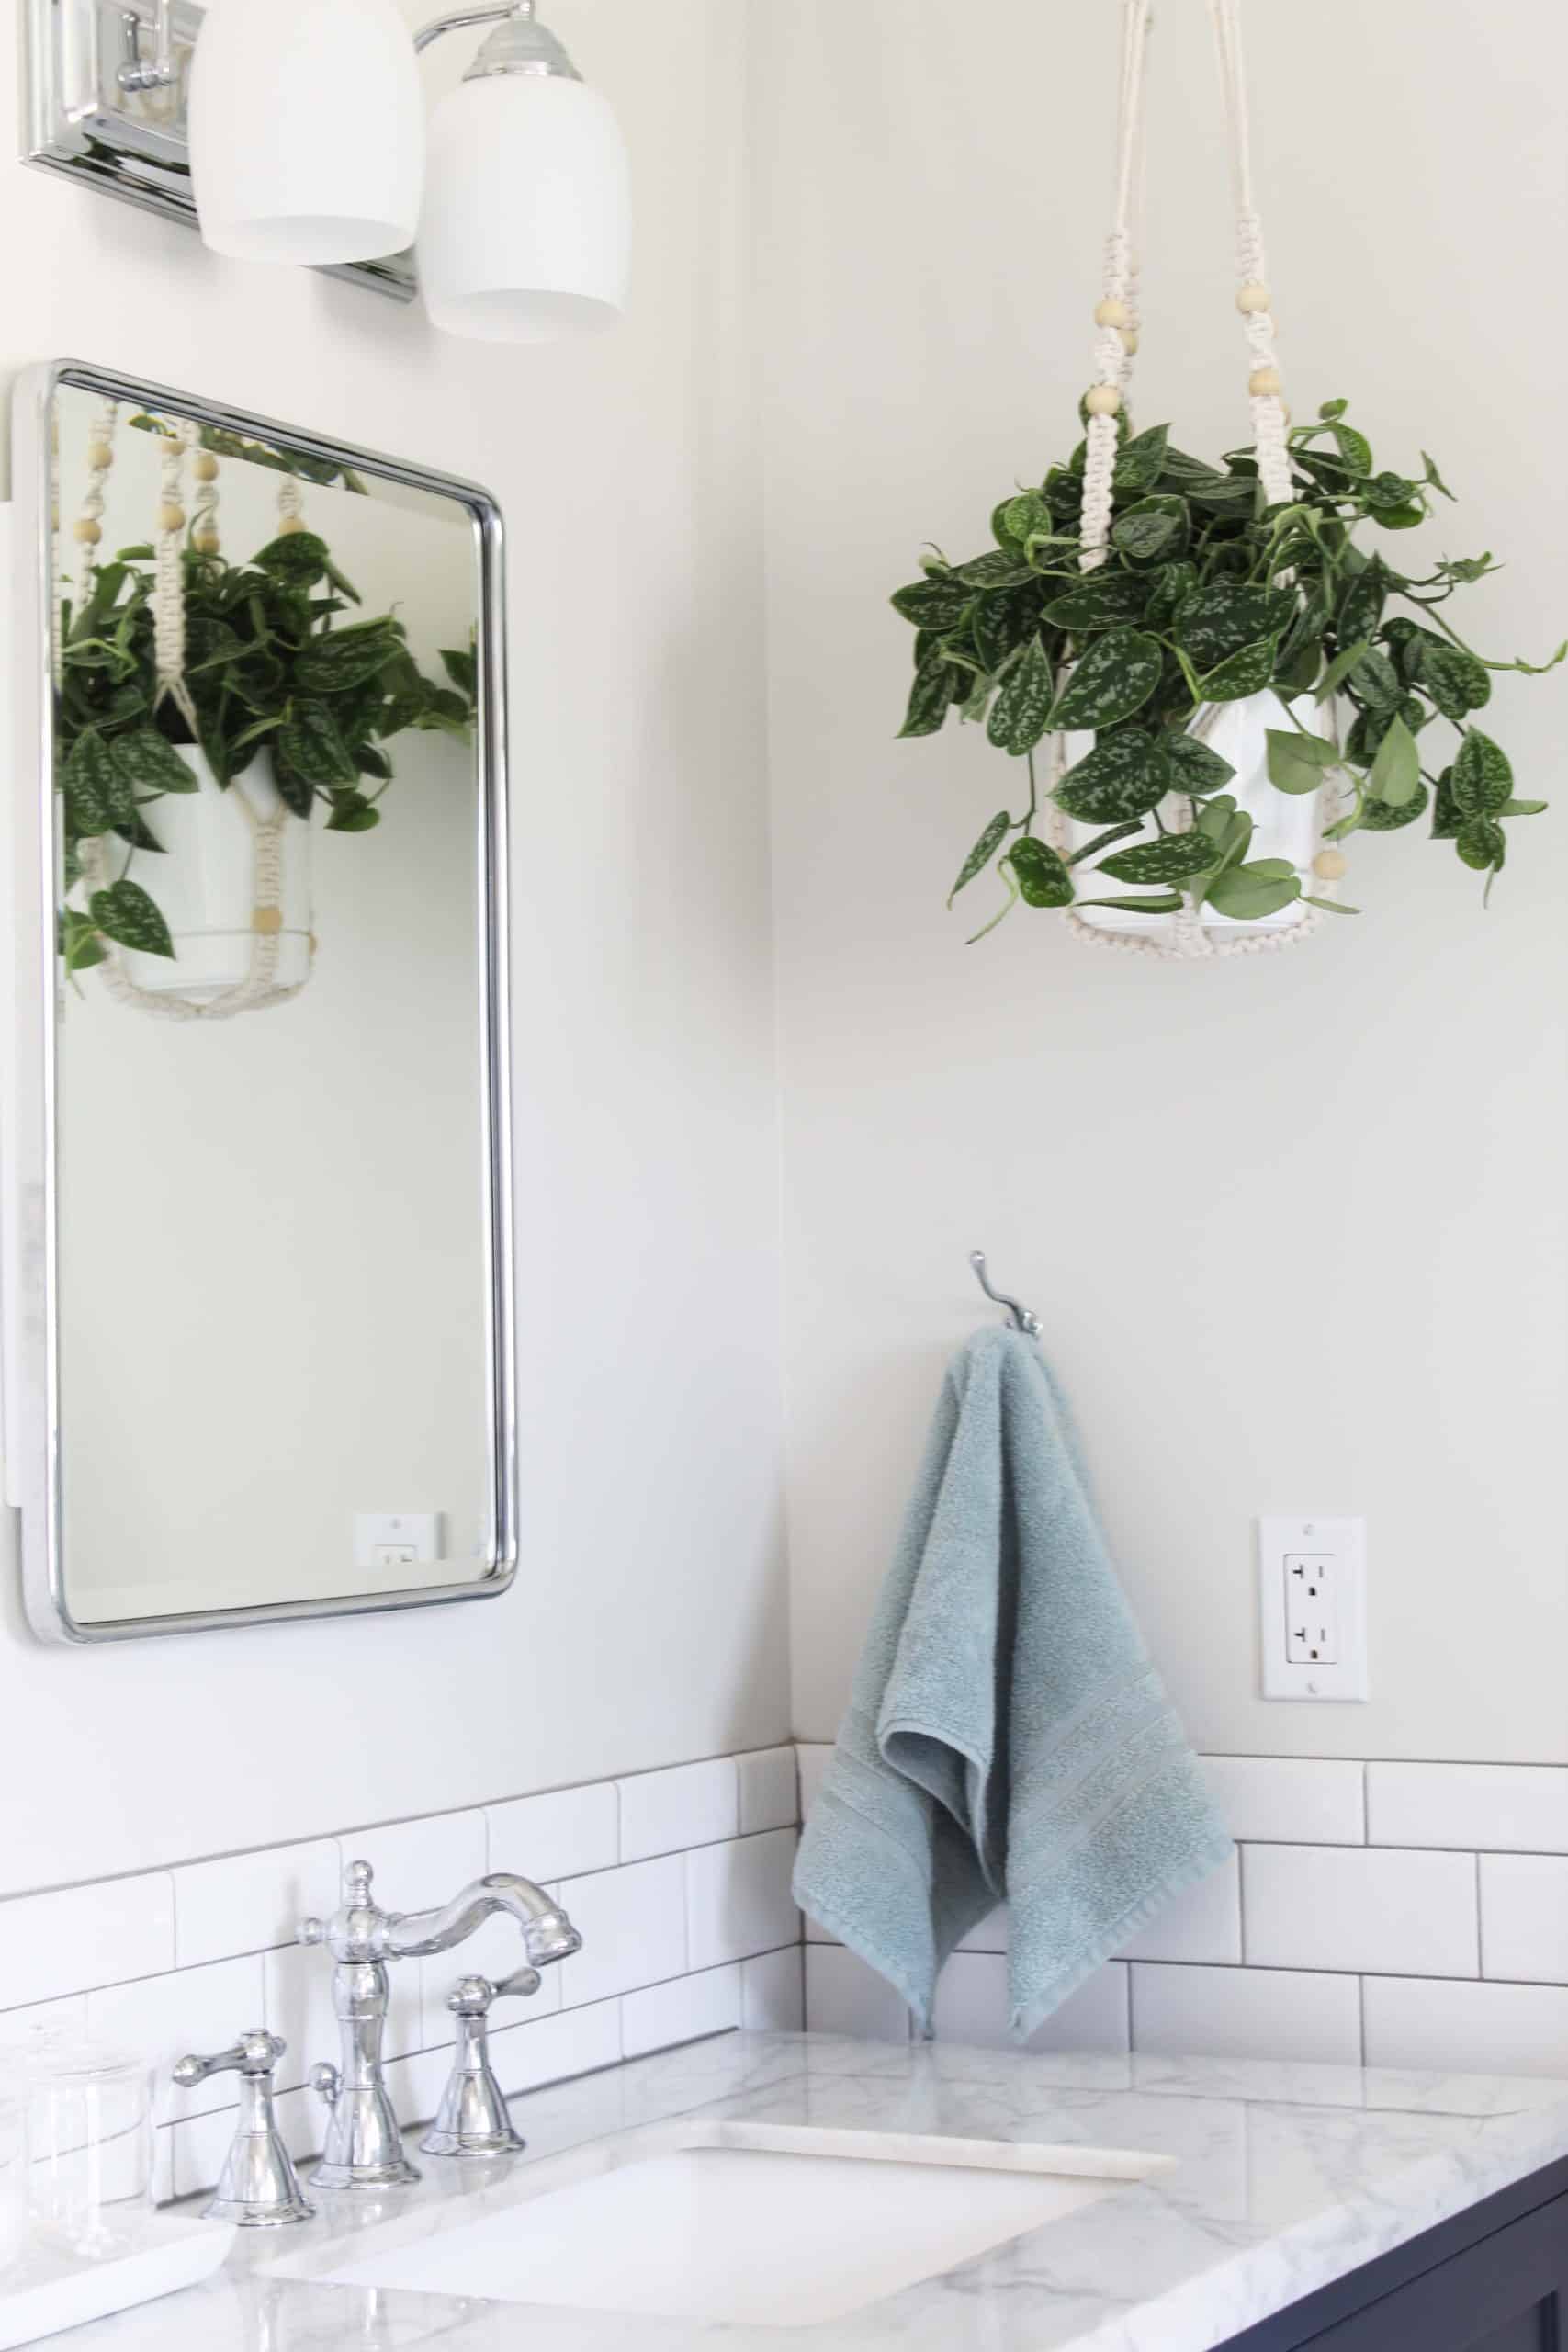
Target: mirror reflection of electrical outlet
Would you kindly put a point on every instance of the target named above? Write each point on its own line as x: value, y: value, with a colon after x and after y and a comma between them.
x: 1312, y: 1596
x: 393, y: 1539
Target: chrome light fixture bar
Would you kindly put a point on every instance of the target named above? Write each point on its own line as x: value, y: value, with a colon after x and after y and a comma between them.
x: 109, y: 106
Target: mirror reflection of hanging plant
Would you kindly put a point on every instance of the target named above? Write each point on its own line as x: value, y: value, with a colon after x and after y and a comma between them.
x: 267, y: 667
x: 1209, y: 595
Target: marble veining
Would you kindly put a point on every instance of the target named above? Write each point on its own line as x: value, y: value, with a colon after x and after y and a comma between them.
x: 1283, y: 2179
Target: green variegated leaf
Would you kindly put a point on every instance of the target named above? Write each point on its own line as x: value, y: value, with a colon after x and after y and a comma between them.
x: 1100, y: 600
x: 1170, y: 586
x: 309, y: 744
x: 998, y: 569
x: 126, y: 913
x: 1396, y: 772
x: 1376, y: 681
x: 939, y: 601
x: 1446, y: 814
x: 1126, y: 776
x: 1107, y: 840
x: 1387, y: 817
x: 983, y: 851
x: 1154, y: 528
x: 1246, y: 672
x: 1141, y: 460
x: 298, y: 559
x: 1175, y: 857
x: 1021, y: 711
x: 1001, y: 623
x: 1481, y: 844
x: 1113, y: 677
x: 1017, y: 520
x: 1361, y: 606
x: 1354, y: 447
x: 1456, y: 682
x: 1221, y: 620
x: 94, y: 789
x: 1042, y: 879
x: 147, y: 761
x: 1195, y: 767
x: 929, y: 696
x: 1482, y: 778
x: 1339, y: 668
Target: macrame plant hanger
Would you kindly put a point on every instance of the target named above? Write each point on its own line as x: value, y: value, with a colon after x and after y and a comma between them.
x: 1117, y: 317
x: 260, y: 988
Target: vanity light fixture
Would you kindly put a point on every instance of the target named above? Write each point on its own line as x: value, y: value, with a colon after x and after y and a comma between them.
x: 293, y: 130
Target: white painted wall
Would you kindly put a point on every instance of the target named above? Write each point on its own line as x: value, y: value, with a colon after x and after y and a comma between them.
x: 1296, y: 1225
x: 647, y: 1624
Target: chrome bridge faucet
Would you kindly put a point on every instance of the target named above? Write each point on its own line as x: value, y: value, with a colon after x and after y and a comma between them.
x: 363, y: 2146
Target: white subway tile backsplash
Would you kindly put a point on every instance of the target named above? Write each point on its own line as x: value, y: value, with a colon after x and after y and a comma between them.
x: 1202, y: 1923
x: 770, y: 1790
x: 772, y: 1992
x: 82, y: 1937
x: 160, y: 2020
x: 1491, y: 1808
x: 1524, y: 1916
x: 686, y: 2009
x: 633, y: 1922
x: 1471, y: 2028
x: 578, y: 2042
x: 1246, y: 2013
x: 695, y: 1805
x: 972, y: 2005
x: 739, y: 1900
x: 1291, y: 1800
x: 843, y: 1995
x: 1379, y: 1911
x: 419, y: 1864
x: 565, y: 1834
x: 253, y: 1902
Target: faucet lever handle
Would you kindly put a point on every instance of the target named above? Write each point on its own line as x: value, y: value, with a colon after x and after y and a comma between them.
x: 473, y: 1997
x: 254, y: 2054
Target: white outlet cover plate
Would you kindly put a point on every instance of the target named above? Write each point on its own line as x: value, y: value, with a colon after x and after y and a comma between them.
x: 412, y: 1535
x: 1344, y: 1542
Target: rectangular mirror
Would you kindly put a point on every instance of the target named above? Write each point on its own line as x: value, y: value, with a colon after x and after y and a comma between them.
x: 258, y: 1290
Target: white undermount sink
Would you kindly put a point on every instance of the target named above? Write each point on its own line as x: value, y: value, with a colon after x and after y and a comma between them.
x: 757, y: 2224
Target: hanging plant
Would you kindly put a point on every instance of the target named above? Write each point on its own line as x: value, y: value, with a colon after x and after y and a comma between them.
x: 1138, y: 594
x: 267, y: 664
x: 1209, y: 595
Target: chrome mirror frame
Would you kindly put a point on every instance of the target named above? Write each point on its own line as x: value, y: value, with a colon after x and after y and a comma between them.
x: 30, y: 1237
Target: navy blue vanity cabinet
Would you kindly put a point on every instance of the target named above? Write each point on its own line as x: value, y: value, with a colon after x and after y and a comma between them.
x: 1493, y: 2279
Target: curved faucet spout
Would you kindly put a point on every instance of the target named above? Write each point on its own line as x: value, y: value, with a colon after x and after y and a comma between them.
x: 547, y: 1934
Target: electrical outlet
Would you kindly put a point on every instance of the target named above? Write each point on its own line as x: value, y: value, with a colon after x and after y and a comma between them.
x: 1312, y: 1609
x: 1312, y: 1596
x: 397, y: 1539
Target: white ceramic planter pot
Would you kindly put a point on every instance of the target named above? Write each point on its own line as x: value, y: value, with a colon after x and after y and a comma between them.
x: 205, y: 884
x: 1286, y: 825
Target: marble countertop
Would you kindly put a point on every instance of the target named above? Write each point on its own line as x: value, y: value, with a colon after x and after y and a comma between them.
x: 1284, y: 2179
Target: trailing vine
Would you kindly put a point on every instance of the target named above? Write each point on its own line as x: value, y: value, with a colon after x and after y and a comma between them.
x: 1209, y: 597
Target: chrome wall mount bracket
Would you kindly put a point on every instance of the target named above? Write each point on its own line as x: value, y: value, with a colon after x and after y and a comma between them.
x: 106, y: 88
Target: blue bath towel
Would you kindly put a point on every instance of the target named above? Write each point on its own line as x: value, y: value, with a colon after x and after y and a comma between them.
x: 1007, y: 1738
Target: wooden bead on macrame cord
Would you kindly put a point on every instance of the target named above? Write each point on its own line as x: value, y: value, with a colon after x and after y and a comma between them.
x: 171, y: 519
x: 87, y: 532
x: 1252, y: 297
x: 1103, y: 400
x: 205, y: 467
x: 1130, y: 340
x: 1111, y: 313
x: 290, y: 524
x: 1264, y: 383
x: 1331, y: 866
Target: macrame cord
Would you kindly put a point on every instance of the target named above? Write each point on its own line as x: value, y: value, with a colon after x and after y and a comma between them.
x: 261, y: 987
x: 1117, y: 318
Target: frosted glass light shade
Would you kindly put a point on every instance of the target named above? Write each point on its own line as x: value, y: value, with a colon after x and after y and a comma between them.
x: 307, y: 129
x: 526, y: 234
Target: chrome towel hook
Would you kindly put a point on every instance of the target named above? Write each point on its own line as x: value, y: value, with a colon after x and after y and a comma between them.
x: 1023, y: 1321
